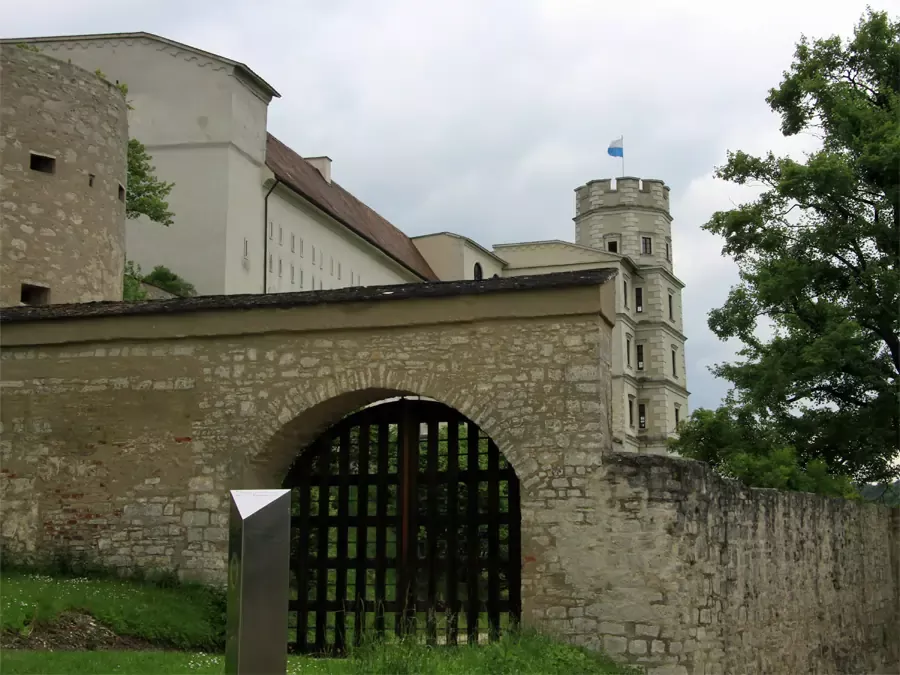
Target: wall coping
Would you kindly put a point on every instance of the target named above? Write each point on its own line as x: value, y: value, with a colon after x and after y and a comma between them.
x: 576, y: 293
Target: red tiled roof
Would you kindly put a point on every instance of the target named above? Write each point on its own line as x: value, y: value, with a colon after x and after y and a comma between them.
x: 304, y: 179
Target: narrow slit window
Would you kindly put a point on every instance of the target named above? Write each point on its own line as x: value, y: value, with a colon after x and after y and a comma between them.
x: 271, y: 263
x: 43, y: 163
x: 639, y: 299
x: 677, y: 415
x: 628, y: 352
x: 91, y: 178
x: 625, y: 294
x: 642, y: 416
x: 280, y: 235
x: 674, y: 361
x: 671, y: 308
x: 292, y: 273
x: 271, y: 230
x: 246, y: 247
x: 121, y: 193
x: 279, y: 267
x: 630, y: 412
x: 640, y: 357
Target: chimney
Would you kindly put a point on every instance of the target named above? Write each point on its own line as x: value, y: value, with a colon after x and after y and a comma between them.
x: 323, y: 164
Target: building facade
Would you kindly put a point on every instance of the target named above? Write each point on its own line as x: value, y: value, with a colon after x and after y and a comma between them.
x: 62, y: 216
x: 254, y: 216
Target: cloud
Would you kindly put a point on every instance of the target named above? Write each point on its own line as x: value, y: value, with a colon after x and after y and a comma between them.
x: 482, y: 118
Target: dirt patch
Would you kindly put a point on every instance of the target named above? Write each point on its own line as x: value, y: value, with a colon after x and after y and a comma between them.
x: 72, y: 631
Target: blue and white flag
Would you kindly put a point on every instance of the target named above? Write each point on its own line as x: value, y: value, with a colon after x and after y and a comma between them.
x: 616, y: 149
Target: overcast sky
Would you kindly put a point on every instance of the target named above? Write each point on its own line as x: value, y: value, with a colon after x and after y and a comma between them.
x: 482, y: 116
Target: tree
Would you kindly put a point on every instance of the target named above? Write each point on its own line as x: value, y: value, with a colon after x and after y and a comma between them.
x: 818, y: 257
x: 132, y: 291
x: 164, y: 278
x: 146, y: 193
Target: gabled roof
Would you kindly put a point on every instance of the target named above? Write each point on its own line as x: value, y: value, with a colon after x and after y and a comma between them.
x: 141, y: 35
x: 466, y: 239
x: 304, y: 179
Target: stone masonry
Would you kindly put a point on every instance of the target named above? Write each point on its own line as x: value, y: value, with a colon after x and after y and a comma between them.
x: 124, y: 426
x: 62, y: 228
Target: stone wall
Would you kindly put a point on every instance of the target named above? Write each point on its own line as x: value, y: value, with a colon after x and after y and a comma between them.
x: 63, y: 231
x: 125, y: 426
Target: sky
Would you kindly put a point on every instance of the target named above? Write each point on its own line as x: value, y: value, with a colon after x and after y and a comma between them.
x: 482, y: 118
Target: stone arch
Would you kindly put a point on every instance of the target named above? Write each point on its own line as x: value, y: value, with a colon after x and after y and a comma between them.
x: 292, y: 421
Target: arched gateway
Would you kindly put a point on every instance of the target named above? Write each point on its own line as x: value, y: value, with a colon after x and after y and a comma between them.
x: 405, y: 520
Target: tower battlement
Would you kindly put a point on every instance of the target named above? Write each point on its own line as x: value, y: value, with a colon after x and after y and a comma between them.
x: 629, y: 191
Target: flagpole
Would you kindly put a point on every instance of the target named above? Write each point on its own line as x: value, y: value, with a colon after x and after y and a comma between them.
x: 623, y: 156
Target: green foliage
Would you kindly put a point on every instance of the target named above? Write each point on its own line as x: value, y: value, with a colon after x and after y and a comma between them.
x: 818, y: 258
x: 146, y: 193
x: 739, y: 446
x: 883, y: 493
x: 28, y: 47
x: 164, y: 278
x: 132, y: 291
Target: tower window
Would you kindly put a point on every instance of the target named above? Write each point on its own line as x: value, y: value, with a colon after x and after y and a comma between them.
x: 628, y: 352
x: 640, y: 357
x: 674, y: 366
x: 639, y: 299
x: 671, y: 308
x: 625, y: 294
x: 34, y: 295
x: 646, y: 245
x: 293, y: 242
x: 612, y: 246
x: 677, y: 415
x: 668, y: 252
x: 630, y: 411
x: 246, y: 246
x: 43, y: 163
x: 280, y: 235
x: 121, y: 192
x: 478, y: 272
x: 642, y: 416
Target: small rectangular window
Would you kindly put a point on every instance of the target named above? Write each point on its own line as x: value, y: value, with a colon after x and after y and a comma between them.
x: 314, y: 254
x: 677, y: 415
x: 642, y: 416
x: 293, y: 242
x: 671, y: 308
x: 280, y: 235
x: 246, y: 247
x: 301, y: 278
x: 331, y: 262
x: 630, y: 413
x: 646, y: 245
x: 34, y: 295
x: 292, y: 272
x: 625, y: 294
x: 639, y: 299
x: 271, y: 230
x: 628, y: 353
x: 121, y: 193
x: 674, y: 367
x: 279, y: 267
x: 43, y: 163
x: 301, y: 247
x: 640, y: 357
x: 339, y: 270
x: 668, y: 253
x: 271, y: 263
x: 612, y: 246
x: 91, y: 178
x: 321, y: 260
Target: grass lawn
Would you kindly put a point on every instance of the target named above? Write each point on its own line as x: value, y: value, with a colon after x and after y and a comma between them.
x: 105, y: 625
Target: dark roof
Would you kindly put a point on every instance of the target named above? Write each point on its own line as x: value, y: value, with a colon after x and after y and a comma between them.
x: 304, y: 179
x: 442, y: 289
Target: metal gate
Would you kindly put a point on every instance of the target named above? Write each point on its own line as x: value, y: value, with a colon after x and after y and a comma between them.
x: 405, y: 521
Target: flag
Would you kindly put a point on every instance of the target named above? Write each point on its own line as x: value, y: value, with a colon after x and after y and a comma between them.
x: 615, y: 148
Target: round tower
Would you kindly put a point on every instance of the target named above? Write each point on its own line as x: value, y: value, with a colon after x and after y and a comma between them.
x: 631, y: 219
x: 64, y: 146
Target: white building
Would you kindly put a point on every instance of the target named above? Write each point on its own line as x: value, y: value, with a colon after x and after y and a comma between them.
x: 252, y: 216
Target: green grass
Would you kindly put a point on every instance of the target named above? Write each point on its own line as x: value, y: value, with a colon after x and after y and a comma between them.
x: 191, y: 617
x: 185, y: 617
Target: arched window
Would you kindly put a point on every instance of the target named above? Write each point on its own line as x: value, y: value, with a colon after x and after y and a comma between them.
x: 479, y: 274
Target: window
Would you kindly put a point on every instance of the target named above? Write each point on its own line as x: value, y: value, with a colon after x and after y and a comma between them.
x: 301, y: 247
x: 668, y: 252
x: 331, y: 262
x: 642, y: 416
x: 639, y: 299
x: 640, y: 357
x: 630, y: 411
x: 292, y: 272
x: 671, y: 308
x: 321, y: 260
x: 34, y: 295
x: 271, y: 230
x: 339, y: 270
x: 271, y: 263
x: 279, y: 267
x: 674, y: 361
x: 43, y: 163
x: 91, y: 178
x: 121, y: 193
x: 314, y: 255
x: 246, y: 246
x: 280, y: 235
x: 646, y: 246
x: 612, y: 246
x: 625, y: 295
x: 628, y: 352
x: 677, y: 415
x: 293, y: 242
x: 478, y: 273
x: 301, y: 278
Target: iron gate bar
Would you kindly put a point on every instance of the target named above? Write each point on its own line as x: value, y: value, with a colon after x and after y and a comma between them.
x: 417, y: 508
